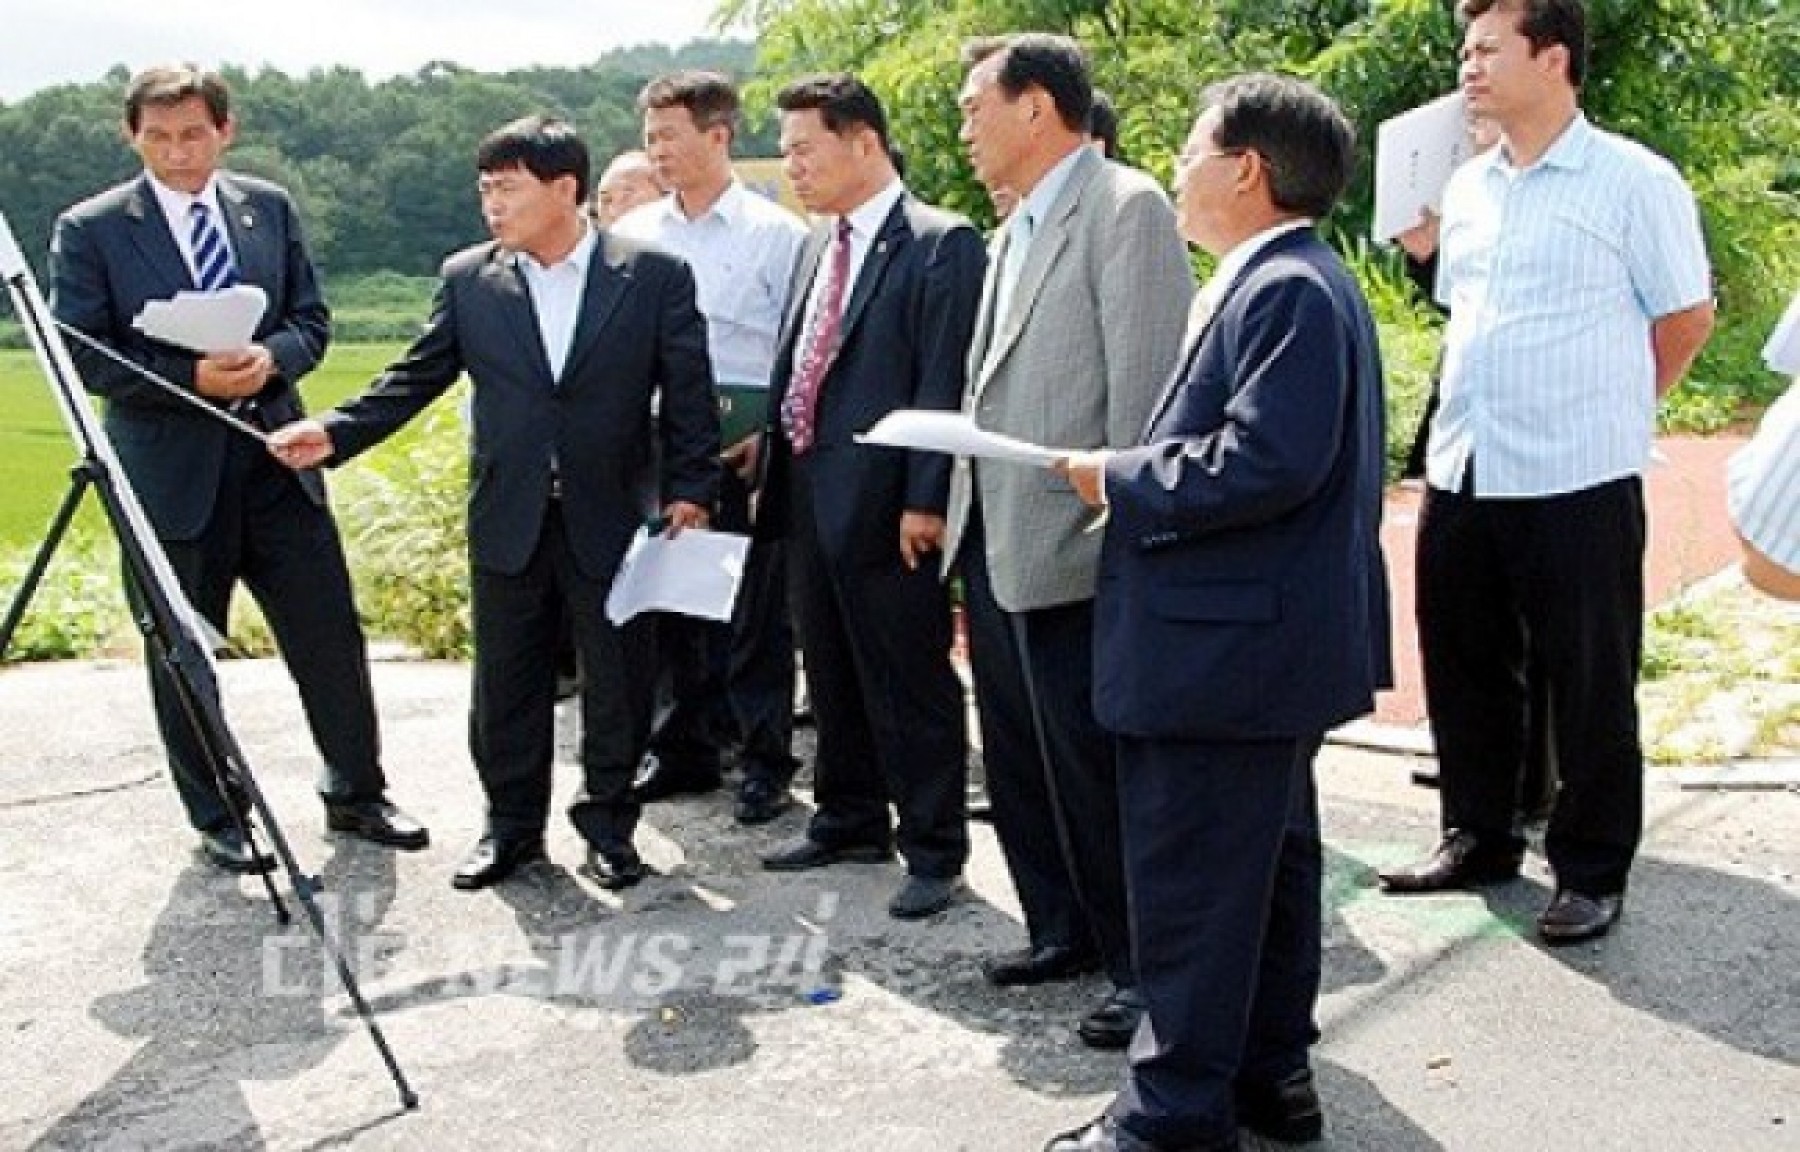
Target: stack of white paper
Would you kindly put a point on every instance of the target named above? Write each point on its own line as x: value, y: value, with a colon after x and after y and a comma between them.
x: 205, y: 322
x: 1415, y: 153
x: 694, y: 574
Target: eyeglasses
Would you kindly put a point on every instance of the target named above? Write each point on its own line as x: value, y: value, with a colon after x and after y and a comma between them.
x: 1189, y: 159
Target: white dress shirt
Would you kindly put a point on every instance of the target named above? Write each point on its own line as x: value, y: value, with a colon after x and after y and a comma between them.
x: 556, y: 292
x: 176, y: 207
x: 742, y: 251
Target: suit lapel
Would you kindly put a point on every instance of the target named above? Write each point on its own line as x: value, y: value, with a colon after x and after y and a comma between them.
x: 512, y: 304
x: 892, y: 238
x: 251, y: 241
x: 1052, y: 236
x: 1191, y: 352
x: 150, y: 232
x: 606, y: 286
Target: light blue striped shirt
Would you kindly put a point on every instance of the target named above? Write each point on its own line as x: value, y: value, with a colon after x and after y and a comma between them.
x: 1765, y: 483
x: 1553, y: 275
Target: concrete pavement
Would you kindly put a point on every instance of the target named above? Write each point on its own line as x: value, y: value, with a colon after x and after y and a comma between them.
x: 148, y: 1001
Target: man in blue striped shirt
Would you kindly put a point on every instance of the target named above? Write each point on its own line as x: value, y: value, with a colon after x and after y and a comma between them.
x: 1765, y: 499
x: 1579, y: 292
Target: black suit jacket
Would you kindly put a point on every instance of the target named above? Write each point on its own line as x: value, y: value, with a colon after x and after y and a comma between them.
x: 1242, y: 591
x: 639, y: 333
x: 904, y: 344
x: 114, y: 253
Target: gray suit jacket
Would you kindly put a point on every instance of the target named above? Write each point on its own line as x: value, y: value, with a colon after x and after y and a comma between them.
x: 1091, y: 337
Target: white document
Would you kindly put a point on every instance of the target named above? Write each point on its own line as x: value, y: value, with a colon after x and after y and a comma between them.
x: 1415, y: 153
x: 1782, y: 352
x: 695, y: 574
x: 956, y: 433
x: 205, y: 322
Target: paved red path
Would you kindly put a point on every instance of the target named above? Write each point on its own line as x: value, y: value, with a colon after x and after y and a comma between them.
x: 1690, y: 539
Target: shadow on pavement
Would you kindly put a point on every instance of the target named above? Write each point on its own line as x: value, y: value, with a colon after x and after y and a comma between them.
x: 206, y: 1016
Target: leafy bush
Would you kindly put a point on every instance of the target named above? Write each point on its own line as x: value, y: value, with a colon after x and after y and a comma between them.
x: 79, y: 609
x: 402, y: 514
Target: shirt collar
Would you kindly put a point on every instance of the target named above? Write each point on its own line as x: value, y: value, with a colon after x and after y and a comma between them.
x: 175, y: 204
x: 1043, y: 196
x: 579, y: 257
x: 1233, y: 263
x: 1570, y: 149
x: 868, y: 217
x: 729, y: 207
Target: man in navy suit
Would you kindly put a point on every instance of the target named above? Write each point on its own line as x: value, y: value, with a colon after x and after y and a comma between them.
x: 223, y: 511
x: 878, y: 319
x: 567, y: 334
x: 1242, y: 612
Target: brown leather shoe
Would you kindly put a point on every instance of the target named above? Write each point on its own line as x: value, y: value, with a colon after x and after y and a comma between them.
x: 1459, y: 861
x: 1574, y: 916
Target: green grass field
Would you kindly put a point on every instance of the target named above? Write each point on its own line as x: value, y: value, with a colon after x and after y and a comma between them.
x: 36, y: 452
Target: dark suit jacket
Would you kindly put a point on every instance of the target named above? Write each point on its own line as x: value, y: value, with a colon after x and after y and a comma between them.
x: 904, y: 344
x: 639, y: 333
x: 114, y: 253
x: 1242, y: 593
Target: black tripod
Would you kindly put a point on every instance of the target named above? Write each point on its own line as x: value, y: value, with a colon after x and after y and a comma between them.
x: 174, y: 634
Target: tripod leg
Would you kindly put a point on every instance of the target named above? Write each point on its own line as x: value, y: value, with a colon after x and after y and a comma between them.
x: 79, y: 478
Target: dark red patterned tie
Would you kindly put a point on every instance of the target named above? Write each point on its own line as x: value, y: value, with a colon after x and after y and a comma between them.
x: 802, y: 401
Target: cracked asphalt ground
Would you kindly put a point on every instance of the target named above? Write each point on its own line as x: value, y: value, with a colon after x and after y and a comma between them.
x: 150, y: 1002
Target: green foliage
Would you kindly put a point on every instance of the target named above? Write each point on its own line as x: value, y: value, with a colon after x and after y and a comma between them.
x: 402, y: 513
x: 79, y: 609
x: 383, y: 173
x: 1712, y: 84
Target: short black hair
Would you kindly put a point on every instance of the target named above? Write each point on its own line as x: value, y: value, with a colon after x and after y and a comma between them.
x: 1103, y: 124
x: 167, y: 85
x: 544, y: 146
x: 1544, y: 23
x: 1305, y: 140
x: 1054, y: 63
x: 710, y: 98
x: 841, y: 100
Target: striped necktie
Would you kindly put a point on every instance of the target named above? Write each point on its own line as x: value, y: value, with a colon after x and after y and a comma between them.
x: 213, y: 268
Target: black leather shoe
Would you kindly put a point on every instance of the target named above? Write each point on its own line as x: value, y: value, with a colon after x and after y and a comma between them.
x: 1459, y: 861
x: 1038, y: 966
x: 378, y: 822
x: 228, y: 850
x: 615, y: 868
x: 1286, y: 1110
x: 760, y: 801
x: 806, y: 854
x: 1111, y: 1026
x: 923, y: 896
x: 493, y: 859
x: 1574, y: 916
x: 659, y: 779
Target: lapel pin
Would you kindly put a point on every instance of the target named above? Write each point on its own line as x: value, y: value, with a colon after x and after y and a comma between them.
x: 248, y: 220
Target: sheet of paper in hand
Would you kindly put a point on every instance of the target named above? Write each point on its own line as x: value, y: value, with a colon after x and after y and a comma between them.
x: 205, y: 322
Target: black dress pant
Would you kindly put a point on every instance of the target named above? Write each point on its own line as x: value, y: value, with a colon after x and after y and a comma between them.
x: 517, y: 621
x: 266, y: 532
x: 1051, y: 770
x: 1557, y: 580
x: 725, y: 684
x: 887, y: 704
x: 1225, y: 867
